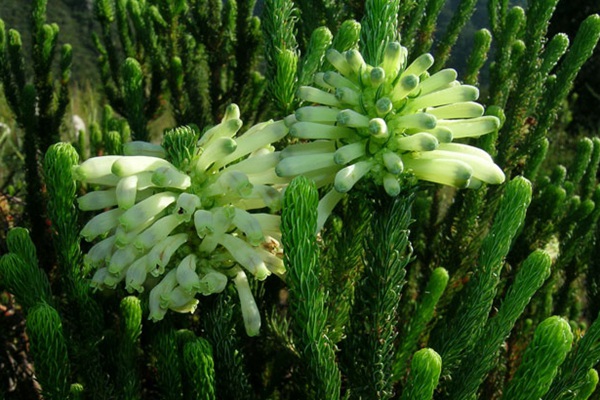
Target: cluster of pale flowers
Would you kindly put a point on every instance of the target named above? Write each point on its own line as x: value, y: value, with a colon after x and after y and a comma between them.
x: 179, y: 231
x: 382, y: 121
x: 183, y: 218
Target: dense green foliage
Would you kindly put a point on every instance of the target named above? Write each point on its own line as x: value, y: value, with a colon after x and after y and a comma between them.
x: 427, y: 292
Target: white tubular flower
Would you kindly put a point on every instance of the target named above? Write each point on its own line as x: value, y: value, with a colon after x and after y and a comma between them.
x: 160, y: 291
x: 122, y: 258
x: 212, y: 282
x: 179, y: 222
x: 157, y: 232
x: 112, y: 280
x: 101, y: 224
x: 249, y: 308
x: 100, y: 252
x: 255, y: 138
x: 218, y: 149
x: 180, y: 301
x: 171, y: 178
x: 123, y: 237
x: 186, y: 205
x: 97, y: 171
x: 249, y: 225
x: 126, y: 192
x: 136, y: 274
x: 132, y: 165
x: 146, y: 209
x: 97, y: 281
x: 187, y: 277
x: 269, y: 223
x: 161, y: 254
x: 247, y: 256
x: 97, y: 200
x: 225, y: 130
x: 272, y: 262
x: 139, y: 148
x: 386, y: 123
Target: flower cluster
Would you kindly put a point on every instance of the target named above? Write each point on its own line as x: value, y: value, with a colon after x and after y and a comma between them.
x: 178, y: 219
x: 383, y: 121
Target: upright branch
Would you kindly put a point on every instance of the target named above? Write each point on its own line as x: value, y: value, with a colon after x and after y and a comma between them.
x: 380, y: 26
x: 307, y: 298
x: 368, y: 351
x: 457, y: 335
x: 281, y: 53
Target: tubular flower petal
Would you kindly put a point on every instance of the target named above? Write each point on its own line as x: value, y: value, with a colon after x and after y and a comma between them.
x: 387, y: 123
x: 249, y: 308
x: 177, y: 219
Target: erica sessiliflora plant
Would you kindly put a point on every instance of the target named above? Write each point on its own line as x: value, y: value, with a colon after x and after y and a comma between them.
x: 385, y: 123
x: 179, y: 220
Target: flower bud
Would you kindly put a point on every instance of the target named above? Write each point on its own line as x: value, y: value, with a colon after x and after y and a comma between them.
x: 348, y: 96
x: 336, y: 80
x: 405, y: 85
x: 391, y: 184
x: 352, y: 119
x: 224, y: 130
x: 393, y: 162
x: 392, y: 59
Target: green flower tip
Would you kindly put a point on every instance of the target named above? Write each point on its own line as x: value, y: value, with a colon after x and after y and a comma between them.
x: 391, y: 108
x: 184, y: 213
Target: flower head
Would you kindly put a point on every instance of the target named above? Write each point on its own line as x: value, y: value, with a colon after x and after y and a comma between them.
x: 385, y: 122
x: 184, y: 213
